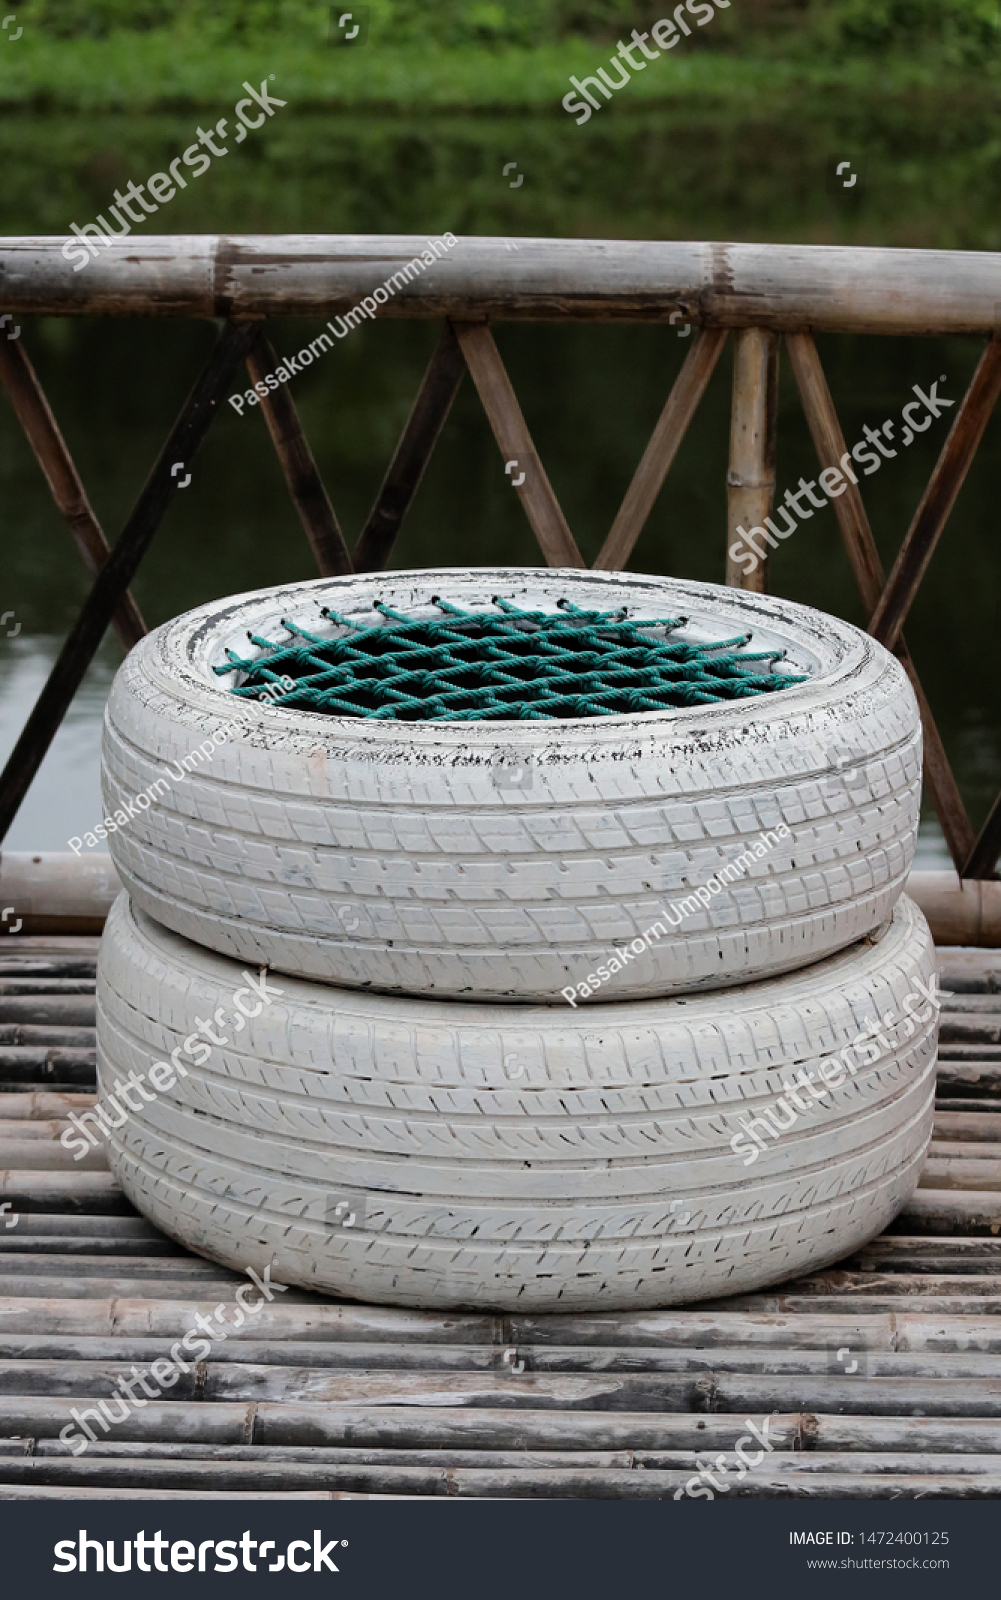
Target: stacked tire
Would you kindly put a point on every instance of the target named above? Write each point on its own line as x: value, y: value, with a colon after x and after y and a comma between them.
x: 439, y: 1100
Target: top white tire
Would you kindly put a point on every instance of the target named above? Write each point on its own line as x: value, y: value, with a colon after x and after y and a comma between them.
x: 510, y: 860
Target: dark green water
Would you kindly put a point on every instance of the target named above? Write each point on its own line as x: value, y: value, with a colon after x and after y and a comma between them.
x: 932, y: 169
x: 591, y: 394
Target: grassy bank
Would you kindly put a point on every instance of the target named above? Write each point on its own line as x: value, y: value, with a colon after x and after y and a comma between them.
x: 142, y: 72
x: 144, y: 55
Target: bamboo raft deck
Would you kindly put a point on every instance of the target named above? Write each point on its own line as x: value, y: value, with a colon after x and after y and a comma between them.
x: 319, y: 1398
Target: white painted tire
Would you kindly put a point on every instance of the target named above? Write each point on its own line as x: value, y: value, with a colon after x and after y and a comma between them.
x: 518, y: 1157
x: 399, y: 856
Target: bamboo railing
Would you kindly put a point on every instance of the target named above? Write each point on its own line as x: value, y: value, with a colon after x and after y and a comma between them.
x: 762, y: 292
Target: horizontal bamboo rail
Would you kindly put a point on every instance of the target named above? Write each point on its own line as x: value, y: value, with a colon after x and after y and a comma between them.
x: 55, y: 891
x: 836, y: 289
x: 959, y: 913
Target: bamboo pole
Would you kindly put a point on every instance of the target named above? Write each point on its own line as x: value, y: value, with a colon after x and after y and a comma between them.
x: 969, y: 1128
x: 34, y: 1155
x: 41, y: 1491
x: 438, y: 389
x: 64, y: 1191
x: 86, y: 1360
x: 22, y: 1066
x: 751, y: 477
x: 53, y: 889
x: 957, y: 1028
x: 830, y: 288
x: 54, y: 1233
x: 938, y: 499
x: 39, y: 1365
x: 968, y: 1069
x: 982, y: 859
x: 46, y: 986
x: 952, y: 1211
x: 954, y: 1169
x: 54, y: 1010
x: 214, y: 1425
x: 841, y: 1280
x: 897, y: 1327
x: 525, y: 1482
x: 33, y: 1110
x: 133, y: 1258
x: 959, y: 1306
x: 856, y: 534
x: 162, y: 1452
x: 346, y: 1456
x: 305, y: 485
x: 39, y: 955
x: 510, y: 429
x: 672, y: 425
x: 85, y: 1243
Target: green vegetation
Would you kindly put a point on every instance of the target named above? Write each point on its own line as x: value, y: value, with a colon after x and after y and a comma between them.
x: 963, y: 29
x: 460, y: 54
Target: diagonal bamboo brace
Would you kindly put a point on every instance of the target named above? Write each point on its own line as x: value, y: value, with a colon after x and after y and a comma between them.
x: 34, y: 413
x: 511, y: 432
x: 305, y: 485
x: 860, y: 545
x: 665, y: 441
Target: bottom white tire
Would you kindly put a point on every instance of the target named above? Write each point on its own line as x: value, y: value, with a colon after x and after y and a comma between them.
x: 426, y: 1153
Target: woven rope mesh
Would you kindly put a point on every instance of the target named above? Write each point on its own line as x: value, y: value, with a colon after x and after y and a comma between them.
x: 506, y: 664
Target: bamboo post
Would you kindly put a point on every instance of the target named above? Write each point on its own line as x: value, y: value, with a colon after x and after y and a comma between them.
x: 751, y: 478
x: 42, y: 432
x: 672, y: 425
x: 85, y: 636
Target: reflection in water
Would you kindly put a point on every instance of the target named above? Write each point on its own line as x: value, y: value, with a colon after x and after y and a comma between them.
x: 67, y: 787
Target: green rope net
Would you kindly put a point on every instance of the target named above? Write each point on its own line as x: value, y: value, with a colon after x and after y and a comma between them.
x: 466, y: 666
